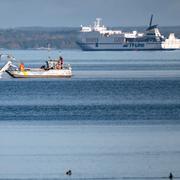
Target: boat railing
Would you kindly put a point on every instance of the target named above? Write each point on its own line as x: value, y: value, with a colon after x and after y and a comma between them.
x: 67, y: 67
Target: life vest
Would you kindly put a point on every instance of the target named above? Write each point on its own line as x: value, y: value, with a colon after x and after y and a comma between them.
x: 21, y: 67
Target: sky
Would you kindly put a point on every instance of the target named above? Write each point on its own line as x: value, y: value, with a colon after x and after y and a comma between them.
x: 73, y: 13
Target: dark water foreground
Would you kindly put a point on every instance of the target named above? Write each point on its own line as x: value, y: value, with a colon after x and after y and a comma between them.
x: 109, y: 101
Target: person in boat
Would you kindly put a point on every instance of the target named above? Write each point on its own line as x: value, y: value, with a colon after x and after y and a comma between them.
x: 58, y: 65
x: 21, y: 67
x: 61, y: 61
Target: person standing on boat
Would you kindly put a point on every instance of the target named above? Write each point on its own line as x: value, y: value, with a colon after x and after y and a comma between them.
x: 21, y: 67
x: 61, y: 61
x: 58, y: 65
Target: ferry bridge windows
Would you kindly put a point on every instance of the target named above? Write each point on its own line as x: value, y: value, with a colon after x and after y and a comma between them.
x: 130, y: 40
x: 150, y: 39
x: 151, y: 34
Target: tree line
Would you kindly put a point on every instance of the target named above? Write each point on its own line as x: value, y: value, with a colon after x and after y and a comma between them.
x: 34, y: 38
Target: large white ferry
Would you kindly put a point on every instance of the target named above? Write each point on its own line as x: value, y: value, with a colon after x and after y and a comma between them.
x: 99, y: 38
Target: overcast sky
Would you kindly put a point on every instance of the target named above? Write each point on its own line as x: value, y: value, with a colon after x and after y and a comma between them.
x: 58, y: 13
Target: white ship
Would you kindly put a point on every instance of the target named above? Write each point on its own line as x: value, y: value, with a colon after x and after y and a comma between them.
x: 99, y: 38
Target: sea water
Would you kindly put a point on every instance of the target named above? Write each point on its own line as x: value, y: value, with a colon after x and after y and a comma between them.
x: 118, y: 117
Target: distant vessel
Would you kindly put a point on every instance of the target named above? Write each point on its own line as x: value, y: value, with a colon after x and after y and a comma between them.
x: 53, y: 69
x: 99, y: 38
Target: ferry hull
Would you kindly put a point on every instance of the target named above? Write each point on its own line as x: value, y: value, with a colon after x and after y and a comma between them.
x: 123, y: 47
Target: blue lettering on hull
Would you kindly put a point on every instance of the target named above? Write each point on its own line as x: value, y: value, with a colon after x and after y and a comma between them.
x: 134, y: 45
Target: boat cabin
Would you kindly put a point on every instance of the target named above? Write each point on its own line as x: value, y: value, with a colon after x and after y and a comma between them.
x: 53, y: 64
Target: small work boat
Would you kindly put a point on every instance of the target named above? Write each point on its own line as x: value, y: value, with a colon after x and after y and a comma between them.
x: 52, y: 69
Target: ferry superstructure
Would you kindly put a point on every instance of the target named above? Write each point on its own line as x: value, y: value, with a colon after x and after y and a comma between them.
x: 99, y: 38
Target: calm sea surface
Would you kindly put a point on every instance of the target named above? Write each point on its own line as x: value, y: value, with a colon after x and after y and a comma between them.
x: 118, y: 117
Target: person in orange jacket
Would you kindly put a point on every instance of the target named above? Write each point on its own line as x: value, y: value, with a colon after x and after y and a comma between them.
x: 21, y: 67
